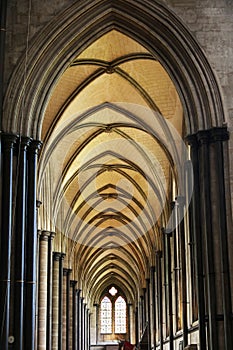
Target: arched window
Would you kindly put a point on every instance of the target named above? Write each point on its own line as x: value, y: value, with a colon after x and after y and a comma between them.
x: 113, y: 312
x: 106, y: 315
x: 120, y: 315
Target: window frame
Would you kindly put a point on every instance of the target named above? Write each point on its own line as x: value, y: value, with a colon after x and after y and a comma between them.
x: 113, y: 299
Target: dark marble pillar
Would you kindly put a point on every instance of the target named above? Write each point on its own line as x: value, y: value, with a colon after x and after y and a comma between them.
x: 153, y: 307
x: 181, y: 204
x: 160, y: 299
x: 168, y: 235
x: 211, y: 236
x: 49, y: 292
x: 73, y: 329
x: 97, y: 321
x: 198, y: 241
x: 8, y: 142
x: 31, y: 248
x: 60, y: 316
x: 19, y: 248
x: 148, y: 311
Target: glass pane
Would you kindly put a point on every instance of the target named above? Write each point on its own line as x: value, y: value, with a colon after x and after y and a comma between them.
x: 106, y: 315
x: 120, y: 315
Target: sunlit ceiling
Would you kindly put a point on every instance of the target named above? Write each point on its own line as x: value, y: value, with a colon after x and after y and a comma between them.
x: 108, y: 162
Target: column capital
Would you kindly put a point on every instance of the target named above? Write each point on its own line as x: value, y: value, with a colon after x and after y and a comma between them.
x: 34, y: 146
x: 219, y: 134
x: 52, y: 235
x: 24, y: 142
x: 8, y: 140
x: 56, y: 256
x: 73, y: 283
x: 44, y: 236
x: 66, y: 271
x: 63, y: 256
x: 192, y: 140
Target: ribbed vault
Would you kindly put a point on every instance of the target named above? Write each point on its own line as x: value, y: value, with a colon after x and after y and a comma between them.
x: 113, y: 148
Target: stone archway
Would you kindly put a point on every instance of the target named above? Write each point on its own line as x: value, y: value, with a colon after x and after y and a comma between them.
x: 155, y: 27
x: 150, y: 23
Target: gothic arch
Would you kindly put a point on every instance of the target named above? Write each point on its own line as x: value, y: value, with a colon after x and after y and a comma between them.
x: 148, y: 22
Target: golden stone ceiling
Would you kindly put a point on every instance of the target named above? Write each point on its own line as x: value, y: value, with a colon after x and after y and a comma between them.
x: 108, y: 134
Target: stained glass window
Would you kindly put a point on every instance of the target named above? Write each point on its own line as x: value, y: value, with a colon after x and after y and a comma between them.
x: 106, y: 315
x: 120, y: 315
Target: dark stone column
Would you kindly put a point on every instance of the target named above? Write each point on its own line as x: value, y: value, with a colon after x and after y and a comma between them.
x: 19, y: 248
x: 148, y: 311
x: 181, y: 203
x: 84, y: 326
x: 74, y: 315
x: 153, y: 312
x: 136, y: 326
x: 218, y: 136
x: 78, y: 291
x: 129, y: 321
x: 68, y: 308
x: 160, y: 300
x: 60, y: 316
x: 198, y: 241
x: 97, y: 321
x: 49, y: 293
x: 31, y: 248
x: 205, y: 214
x: 5, y: 238
x: 168, y: 235
x: 81, y: 323
x: 89, y: 329
x: 144, y: 309
x: 209, y: 180
x: 141, y: 315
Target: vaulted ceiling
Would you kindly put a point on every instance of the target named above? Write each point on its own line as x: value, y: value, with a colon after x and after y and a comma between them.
x: 109, y: 162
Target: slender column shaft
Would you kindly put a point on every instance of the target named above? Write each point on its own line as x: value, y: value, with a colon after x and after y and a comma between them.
x: 68, y: 308
x: 5, y: 254
x: 19, y: 250
x: 181, y: 203
x: 49, y: 293
x: 141, y: 315
x: 204, y: 175
x: 198, y: 242
x: 81, y: 323
x: 97, y: 321
x: 73, y: 326
x: 153, y: 313
x: 31, y: 249
x: 159, y: 286
x: 129, y: 321
x: 43, y: 280
x: 148, y: 311
x: 84, y: 327
x: 78, y: 291
x: 168, y: 236
x: 60, y: 316
x: 55, y: 300
x: 136, y: 326
x: 64, y: 306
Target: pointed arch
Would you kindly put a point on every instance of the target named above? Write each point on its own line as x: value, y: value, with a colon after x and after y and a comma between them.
x: 148, y: 22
